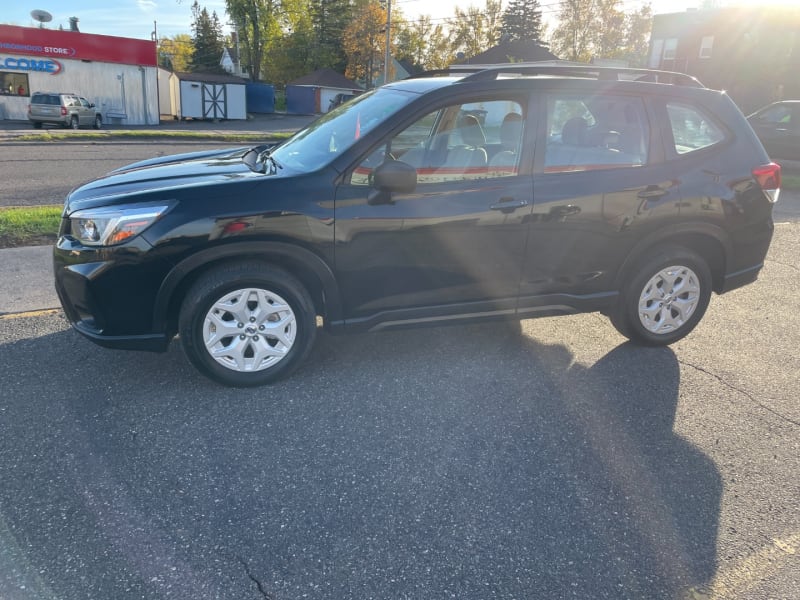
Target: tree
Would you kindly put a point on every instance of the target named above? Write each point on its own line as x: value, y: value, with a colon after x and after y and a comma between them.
x: 473, y: 31
x: 610, y: 32
x: 257, y: 23
x: 423, y: 44
x: 522, y: 21
x: 207, y: 39
x: 175, y: 53
x: 364, y: 43
x: 599, y: 29
x: 329, y: 19
x: 638, y: 24
x: 573, y: 36
x: 291, y: 50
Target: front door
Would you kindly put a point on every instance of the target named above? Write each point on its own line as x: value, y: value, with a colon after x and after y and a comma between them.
x: 454, y: 245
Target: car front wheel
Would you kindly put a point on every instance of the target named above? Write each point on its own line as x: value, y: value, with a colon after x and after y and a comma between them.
x: 98, y: 122
x: 247, y: 324
x: 665, y: 298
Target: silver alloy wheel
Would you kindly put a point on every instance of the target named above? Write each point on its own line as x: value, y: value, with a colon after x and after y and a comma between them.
x: 249, y: 330
x: 669, y: 299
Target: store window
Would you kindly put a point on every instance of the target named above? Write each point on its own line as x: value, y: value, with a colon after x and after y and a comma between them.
x: 14, y: 84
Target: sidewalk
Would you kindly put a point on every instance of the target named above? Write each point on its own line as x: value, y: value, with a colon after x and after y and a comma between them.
x: 26, y: 279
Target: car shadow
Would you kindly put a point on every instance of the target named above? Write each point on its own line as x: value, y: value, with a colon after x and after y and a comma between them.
x: 468, y: 462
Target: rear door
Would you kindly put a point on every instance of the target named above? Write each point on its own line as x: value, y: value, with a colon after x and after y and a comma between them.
x: 600, y: 184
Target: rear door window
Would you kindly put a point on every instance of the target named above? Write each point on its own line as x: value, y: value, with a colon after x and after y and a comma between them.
x: 595, y: 132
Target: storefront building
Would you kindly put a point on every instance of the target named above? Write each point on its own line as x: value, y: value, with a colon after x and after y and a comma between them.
x: 119, y: 75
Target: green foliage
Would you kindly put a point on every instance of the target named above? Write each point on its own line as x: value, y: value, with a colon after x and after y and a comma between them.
x: 175, y: 53
x: 208, y: 40
x: 329, y: 20
x: 522, y: 21
x: 590, y: 29
x: 421, y: 43
x: 474, y: 31
x: 258, y: 24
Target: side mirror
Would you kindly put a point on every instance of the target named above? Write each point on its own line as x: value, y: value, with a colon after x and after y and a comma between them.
x: 91, y: 105
x: 389, y: 177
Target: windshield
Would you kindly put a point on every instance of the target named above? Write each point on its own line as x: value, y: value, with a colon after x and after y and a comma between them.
x: 335, y: 132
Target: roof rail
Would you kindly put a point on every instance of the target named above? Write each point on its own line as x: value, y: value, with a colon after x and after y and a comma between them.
x: 488, y: 72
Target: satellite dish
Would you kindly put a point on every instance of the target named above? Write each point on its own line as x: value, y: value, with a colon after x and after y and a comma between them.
x: 42, y: 16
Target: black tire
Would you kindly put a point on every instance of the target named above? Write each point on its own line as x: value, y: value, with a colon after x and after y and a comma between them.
x: 98, y: 122
x: 37, y: 125
x: 667, y: 314
x: 264, y: 286
x: 73, y: 123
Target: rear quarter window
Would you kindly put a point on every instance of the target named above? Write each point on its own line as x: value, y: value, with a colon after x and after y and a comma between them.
x: 692, y: 130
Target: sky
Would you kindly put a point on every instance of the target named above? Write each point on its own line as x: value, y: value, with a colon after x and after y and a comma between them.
x: 134, y: 18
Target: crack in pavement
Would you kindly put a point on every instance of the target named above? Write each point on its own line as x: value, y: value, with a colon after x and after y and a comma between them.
x: 741, y: 391
x: 777, y: 262
x: 254, y: 579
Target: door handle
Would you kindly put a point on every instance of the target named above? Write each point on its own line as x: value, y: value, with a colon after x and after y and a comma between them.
x: 508, y: 205
x: 650, y: 194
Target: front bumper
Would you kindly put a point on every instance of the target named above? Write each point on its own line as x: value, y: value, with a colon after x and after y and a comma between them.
x: 108, y: 294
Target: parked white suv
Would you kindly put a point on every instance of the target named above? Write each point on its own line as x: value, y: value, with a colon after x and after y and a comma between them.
x: 67, y: 110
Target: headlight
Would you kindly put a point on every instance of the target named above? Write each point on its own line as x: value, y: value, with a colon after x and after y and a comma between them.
x: 113, y: 225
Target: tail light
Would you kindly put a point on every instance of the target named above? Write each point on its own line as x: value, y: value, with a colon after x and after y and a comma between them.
x: 29, y: 109
x: 769, y: 178
x: 63, y: 111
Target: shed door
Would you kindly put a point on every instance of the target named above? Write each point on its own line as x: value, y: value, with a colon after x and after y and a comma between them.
x: 215, y: 101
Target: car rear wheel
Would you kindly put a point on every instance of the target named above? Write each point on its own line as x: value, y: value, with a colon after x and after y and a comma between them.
x: 73, y: 122
x: 247, y: 324
x: 98, y: 122
x: 665, y: 298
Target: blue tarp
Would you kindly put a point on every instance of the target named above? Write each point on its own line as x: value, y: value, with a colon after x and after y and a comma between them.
x: 301, y: 99
x: 260, y: 98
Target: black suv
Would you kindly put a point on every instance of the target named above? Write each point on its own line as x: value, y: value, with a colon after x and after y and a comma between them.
x: 510, y: 192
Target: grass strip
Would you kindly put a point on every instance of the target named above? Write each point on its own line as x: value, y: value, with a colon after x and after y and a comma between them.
x: 48, y: 136
x: 790, y: 182
x: 29, y: 225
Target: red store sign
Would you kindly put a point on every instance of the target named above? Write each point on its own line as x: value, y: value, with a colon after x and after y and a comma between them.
x: 56, y: 44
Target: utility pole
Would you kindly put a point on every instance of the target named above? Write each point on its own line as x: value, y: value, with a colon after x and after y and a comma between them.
x: 388, y: 57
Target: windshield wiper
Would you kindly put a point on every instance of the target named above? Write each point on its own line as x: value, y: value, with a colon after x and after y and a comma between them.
x: 258, y: 157
x: 263, y: 157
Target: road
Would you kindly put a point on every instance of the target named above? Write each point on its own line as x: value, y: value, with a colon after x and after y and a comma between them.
x: 546, y: 459
x: 35, y: 174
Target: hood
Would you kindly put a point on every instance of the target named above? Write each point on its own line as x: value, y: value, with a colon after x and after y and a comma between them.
x: 165, y: 174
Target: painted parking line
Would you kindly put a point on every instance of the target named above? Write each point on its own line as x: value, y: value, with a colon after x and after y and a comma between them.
x: 732, y: 581
x: 33, y: 313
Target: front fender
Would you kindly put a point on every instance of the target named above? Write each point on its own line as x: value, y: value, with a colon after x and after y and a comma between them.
x: 278, y: 252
